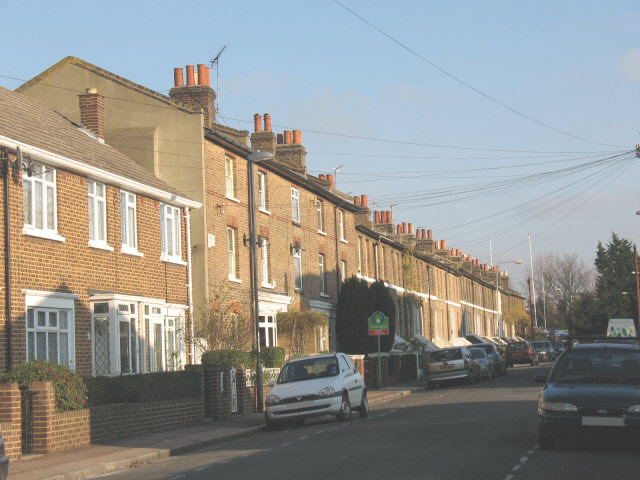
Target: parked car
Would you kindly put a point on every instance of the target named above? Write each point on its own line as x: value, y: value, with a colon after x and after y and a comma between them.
x: 558, y: 346
x: 521, y: 352
x: 487, y: 370
x: 592, y: 388
x: 452, y: 363
x: 4, y: 461
x: 475, y: 338
x: 314, y: 386
x: 494, y: 354
x: 544, y: 350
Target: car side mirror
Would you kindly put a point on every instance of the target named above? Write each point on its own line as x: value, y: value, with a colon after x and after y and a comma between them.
x: 540, y: 378
x: 272, y: 383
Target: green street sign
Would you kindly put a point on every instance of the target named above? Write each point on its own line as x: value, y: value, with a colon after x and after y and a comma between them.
x: 378, y: 324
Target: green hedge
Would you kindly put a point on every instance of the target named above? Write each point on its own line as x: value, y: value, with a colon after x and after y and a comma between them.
x: 71, y: 393
x: 228, y: 358
x: 147, y: 387
x: 270, y: 357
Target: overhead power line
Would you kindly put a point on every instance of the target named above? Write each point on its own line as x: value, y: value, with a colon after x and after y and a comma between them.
x: 468, y: 85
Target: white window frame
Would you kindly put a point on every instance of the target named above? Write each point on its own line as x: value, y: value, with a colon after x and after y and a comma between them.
x: 97, y: 200
x: 40, y: 214
x: 232, y: 254
x: 265, y: 264
x: 343, y: 271
x: 360, y: 255
x: 320, y: 209
x: 229, y: 177
x: 129, y: 222
x: 341, y: 226
x: 48, y: 303
x: 268, y: 330
x: 322, y: 272
x: 263, y: 197
x: 297, y: 269
x: 295, y: 205
x: 171, y: 233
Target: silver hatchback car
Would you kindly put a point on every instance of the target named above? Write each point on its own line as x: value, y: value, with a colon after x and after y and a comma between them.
x: 453, y: 363
x: 313, y: 386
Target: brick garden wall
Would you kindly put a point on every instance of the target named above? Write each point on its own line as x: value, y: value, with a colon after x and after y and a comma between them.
x: 10, y: 419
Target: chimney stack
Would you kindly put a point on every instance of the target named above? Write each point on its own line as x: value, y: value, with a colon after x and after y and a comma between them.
x: 197, y: 96
x: 92, y: 112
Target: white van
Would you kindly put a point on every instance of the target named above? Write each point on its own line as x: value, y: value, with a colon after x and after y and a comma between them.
x: 621, y: 327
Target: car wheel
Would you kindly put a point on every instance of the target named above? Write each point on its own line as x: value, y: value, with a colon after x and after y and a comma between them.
x: 345, y: 409
x: 270, y: 425
x: 533, y: 362
x: 364, y: 405
x: 546, y: 442
x: 471, y: 379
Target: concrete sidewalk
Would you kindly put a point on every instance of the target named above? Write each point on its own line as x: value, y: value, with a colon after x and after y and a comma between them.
x: 94, y: 460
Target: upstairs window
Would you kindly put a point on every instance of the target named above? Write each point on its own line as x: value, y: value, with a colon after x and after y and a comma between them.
x: 343, y: 271
x: 341, y: 225
x: 232, y: 254
x: 40, y: 204
x: 170, y: 230
x: 97, y: 213
x: 128, y: 221
x: 322, y: 273
x: 265, y: 263
x: 262, y: 191
x: 320, y: 208
x: 295, y: 205
x: 229, y: 177
x: 297, y: 269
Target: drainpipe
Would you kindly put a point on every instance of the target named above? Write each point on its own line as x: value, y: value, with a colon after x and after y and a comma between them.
x: 187, y: 217
x: 335, y: 225
x: 7, y: 258
x: 429, y: 293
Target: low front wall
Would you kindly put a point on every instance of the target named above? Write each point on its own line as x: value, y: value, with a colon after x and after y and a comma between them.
x: 55, y: 432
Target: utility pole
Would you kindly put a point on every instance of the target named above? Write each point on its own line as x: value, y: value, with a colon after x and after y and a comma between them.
x: 635, y: 257
x: 530, y: 282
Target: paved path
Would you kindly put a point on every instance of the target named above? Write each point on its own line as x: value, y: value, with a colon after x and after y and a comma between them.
x: 94, y: 460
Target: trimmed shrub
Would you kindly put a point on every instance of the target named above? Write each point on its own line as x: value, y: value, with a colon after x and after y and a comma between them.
x: 229, y: 358
x: 145, y: 387
x: 71, y: 392
x: 270, y: 357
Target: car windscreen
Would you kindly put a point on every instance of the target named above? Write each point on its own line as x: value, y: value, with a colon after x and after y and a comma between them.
x: 477, y: 353
x: 518, y: 346
x: 539, y: 345
x: 598, y: 365
x: 445, y: 355
x: 308, y: 368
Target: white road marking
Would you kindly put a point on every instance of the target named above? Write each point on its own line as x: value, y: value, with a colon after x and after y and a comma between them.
x: 530, y: 452
x: 524, y: 459
x: 318, y: 432
x: 516, y: 468
x: 179, y: 476
x: 509, y: 477
x: 286, y: 444
x: 394, y: 410
x: 304, y: 438
x: 202, y: 468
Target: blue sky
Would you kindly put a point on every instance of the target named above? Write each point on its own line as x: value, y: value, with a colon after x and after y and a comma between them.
x: 457, y: 96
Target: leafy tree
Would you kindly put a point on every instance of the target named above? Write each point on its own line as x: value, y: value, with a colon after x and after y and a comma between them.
x: 615, y: 283
x: 356, y: 303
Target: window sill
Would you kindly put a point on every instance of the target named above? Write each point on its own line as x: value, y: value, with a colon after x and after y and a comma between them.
x: 325, y: 295
x: 100, y: 246
x: 344, y: 240
x: 264, y: 210
x: 297, y: 224
x: 176, y: 260
x: 235, y: 280
x: 320, y: 232
x: 42, y: 234
x: 131, y: 251
x: 270, y: 286
x: 233, y: 199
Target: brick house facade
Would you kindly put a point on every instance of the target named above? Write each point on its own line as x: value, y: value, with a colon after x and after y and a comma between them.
x: 97, y: 247
x: 310, y: 235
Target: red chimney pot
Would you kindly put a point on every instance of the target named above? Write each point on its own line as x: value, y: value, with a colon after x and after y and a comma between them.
x: 356, y: 199
x: 190, y: 76
x: 332, y: 181
x: 267, y: 122
x: 389, y: 216
x: 257, y: 122
x: 399, y: 229
x: 297, y: 137
x: 364, y: 198
x: 376, y: 216
x: 178, y: 81
x: 287, y: 137
x: 279, y: 138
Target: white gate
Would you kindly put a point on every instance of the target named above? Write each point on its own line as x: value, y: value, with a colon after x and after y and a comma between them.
x: 234, y: 391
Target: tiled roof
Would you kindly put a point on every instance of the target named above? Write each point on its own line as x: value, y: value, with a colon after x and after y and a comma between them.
x: 26, y: 120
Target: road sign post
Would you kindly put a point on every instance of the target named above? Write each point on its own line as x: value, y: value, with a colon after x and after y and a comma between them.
x: 378, y: 325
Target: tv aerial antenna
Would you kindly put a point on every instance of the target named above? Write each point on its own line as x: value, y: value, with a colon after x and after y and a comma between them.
x: 216, y: 62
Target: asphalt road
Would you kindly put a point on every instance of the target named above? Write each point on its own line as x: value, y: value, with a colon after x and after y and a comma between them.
x: 482, y: 431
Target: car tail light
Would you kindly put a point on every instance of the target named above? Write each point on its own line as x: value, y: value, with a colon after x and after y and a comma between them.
x: 466, y: 363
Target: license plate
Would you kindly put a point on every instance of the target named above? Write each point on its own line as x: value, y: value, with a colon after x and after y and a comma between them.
x: 603, y: 421
x: 446, y: 367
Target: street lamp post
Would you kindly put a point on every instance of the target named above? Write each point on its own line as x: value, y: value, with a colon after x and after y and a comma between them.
x: 499, y: 300
x: 256, y: 156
